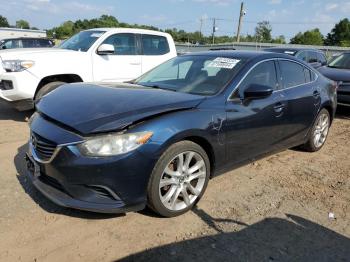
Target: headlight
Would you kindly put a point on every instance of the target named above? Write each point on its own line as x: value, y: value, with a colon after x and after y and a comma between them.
x: 17, y: 65
x: 111, y: 145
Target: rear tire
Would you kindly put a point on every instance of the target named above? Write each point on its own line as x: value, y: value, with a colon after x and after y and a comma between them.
x: 179, y: 179
x: 47, y: 89
x: 319, y: 132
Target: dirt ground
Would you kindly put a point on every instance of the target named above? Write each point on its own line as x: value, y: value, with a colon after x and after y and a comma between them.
x: 276, y: 209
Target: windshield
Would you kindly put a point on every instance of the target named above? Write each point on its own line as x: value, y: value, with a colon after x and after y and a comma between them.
x: 197, y: 74
x: 342, y: 61
x: 81, y: 41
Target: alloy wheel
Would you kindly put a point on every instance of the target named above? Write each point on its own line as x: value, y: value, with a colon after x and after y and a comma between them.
x: 182, y: 181
x: 321, y: 130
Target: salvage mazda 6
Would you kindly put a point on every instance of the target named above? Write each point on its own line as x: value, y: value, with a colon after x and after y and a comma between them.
x: 158, y: 140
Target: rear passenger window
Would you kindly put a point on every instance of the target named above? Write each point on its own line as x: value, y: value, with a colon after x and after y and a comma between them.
x: 262, y: 74
x: 155, y: 45
x: 293, y: 74
x: 308, y: 77
x: 124, y: 44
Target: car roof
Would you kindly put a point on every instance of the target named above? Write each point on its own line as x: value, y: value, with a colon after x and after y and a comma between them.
x: 20, y: 38
x: 238, y: 54
x: 292, y: 49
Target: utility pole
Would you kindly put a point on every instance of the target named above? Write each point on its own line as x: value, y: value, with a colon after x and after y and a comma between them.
x: 241, y: 14
x: 200, y: 29
x: 214, y: 29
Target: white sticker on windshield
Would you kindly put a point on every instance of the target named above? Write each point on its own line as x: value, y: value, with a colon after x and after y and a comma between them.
x: 222, y: 62
x: 97, y: 35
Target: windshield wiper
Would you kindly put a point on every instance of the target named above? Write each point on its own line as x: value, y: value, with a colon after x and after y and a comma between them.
x: 159, y: 87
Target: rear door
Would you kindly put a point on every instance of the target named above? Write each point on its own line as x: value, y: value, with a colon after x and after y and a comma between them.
x: 123, y: 65
x: 299, y: 85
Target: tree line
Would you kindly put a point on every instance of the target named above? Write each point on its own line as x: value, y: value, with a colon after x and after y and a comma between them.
x: 339, y: 36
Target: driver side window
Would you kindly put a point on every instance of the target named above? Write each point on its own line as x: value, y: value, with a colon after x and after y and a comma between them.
x: 263, y: 74
x: 124, y: 44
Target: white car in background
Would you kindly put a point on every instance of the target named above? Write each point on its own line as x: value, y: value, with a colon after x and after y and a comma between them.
x: 95, y: 55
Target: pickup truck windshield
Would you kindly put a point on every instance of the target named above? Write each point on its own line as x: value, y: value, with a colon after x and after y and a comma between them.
x: 81, y: 41
x: 200, y: 75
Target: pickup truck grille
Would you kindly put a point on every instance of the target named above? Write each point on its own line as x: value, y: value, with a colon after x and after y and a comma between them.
x: 43, y: 147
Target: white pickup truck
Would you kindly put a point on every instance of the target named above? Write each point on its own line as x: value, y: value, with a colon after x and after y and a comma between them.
x: 95, y: 55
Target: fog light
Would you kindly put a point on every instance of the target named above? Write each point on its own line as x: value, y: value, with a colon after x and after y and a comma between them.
x: 6, y: 85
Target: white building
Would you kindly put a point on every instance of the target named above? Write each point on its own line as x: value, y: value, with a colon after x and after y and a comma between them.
x: 6, y: 32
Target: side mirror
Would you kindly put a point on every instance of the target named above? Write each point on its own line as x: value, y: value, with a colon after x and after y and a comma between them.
x: 105, y: 49
x: 3, y: 47
x: 324, y: 63
x: 256, y: 91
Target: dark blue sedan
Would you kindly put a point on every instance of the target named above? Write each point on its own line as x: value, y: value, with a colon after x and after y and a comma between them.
x: 158, y: 141
x: 338, y: 70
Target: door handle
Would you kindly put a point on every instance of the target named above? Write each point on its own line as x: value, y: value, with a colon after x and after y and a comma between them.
x: 135, y: 63
x: 316, y: 94
x: 279, y: 107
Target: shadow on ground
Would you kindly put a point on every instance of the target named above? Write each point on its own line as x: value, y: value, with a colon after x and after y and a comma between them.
x: 343, y: 112
x: 41, y: 200
x: 7, y: 112
x: 272, y: 239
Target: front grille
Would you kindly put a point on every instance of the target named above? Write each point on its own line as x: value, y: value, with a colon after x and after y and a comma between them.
x: 43, y: 147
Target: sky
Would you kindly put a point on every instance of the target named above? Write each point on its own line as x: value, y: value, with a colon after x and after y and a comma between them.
x: 287, y: 17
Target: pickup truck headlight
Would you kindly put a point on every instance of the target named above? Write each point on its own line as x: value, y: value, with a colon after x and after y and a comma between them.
x: 17, y: 65
x: 111, y: 145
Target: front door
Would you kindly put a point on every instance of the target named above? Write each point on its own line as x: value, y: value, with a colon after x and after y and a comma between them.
x: 255, y: 127
x: 123, y: 65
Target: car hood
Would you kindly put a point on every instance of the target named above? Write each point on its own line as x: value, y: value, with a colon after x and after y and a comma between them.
x: 28, y: 52
x: 92, y: 108
x: 335, y: 74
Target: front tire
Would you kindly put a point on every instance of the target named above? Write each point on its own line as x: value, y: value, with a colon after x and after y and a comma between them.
x: 179, y: 179
x: 319, y: 132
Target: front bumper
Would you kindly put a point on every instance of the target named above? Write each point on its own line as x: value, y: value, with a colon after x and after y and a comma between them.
x: 106, y: 185
x: 61, y: 198
x: 24, y: 86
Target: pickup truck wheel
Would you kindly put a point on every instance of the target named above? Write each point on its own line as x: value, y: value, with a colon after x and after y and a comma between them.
x: 47, y: 89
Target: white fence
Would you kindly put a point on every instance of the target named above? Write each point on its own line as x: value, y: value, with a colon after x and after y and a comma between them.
x: 6, y: 32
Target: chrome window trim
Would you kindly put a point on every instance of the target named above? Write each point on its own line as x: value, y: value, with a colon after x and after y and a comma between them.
x: 275, y: 60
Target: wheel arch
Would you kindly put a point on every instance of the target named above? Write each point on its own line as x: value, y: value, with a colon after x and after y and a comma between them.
x: 198, y: 138
x: 68, y: 78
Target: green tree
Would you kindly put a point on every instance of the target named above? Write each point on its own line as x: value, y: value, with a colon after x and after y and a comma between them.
x: 22, y: 24
x: 279, y: 40
x: 340, y: 34
x: 263, y: 32
x: 311, y: 37
x: 4, y: 22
